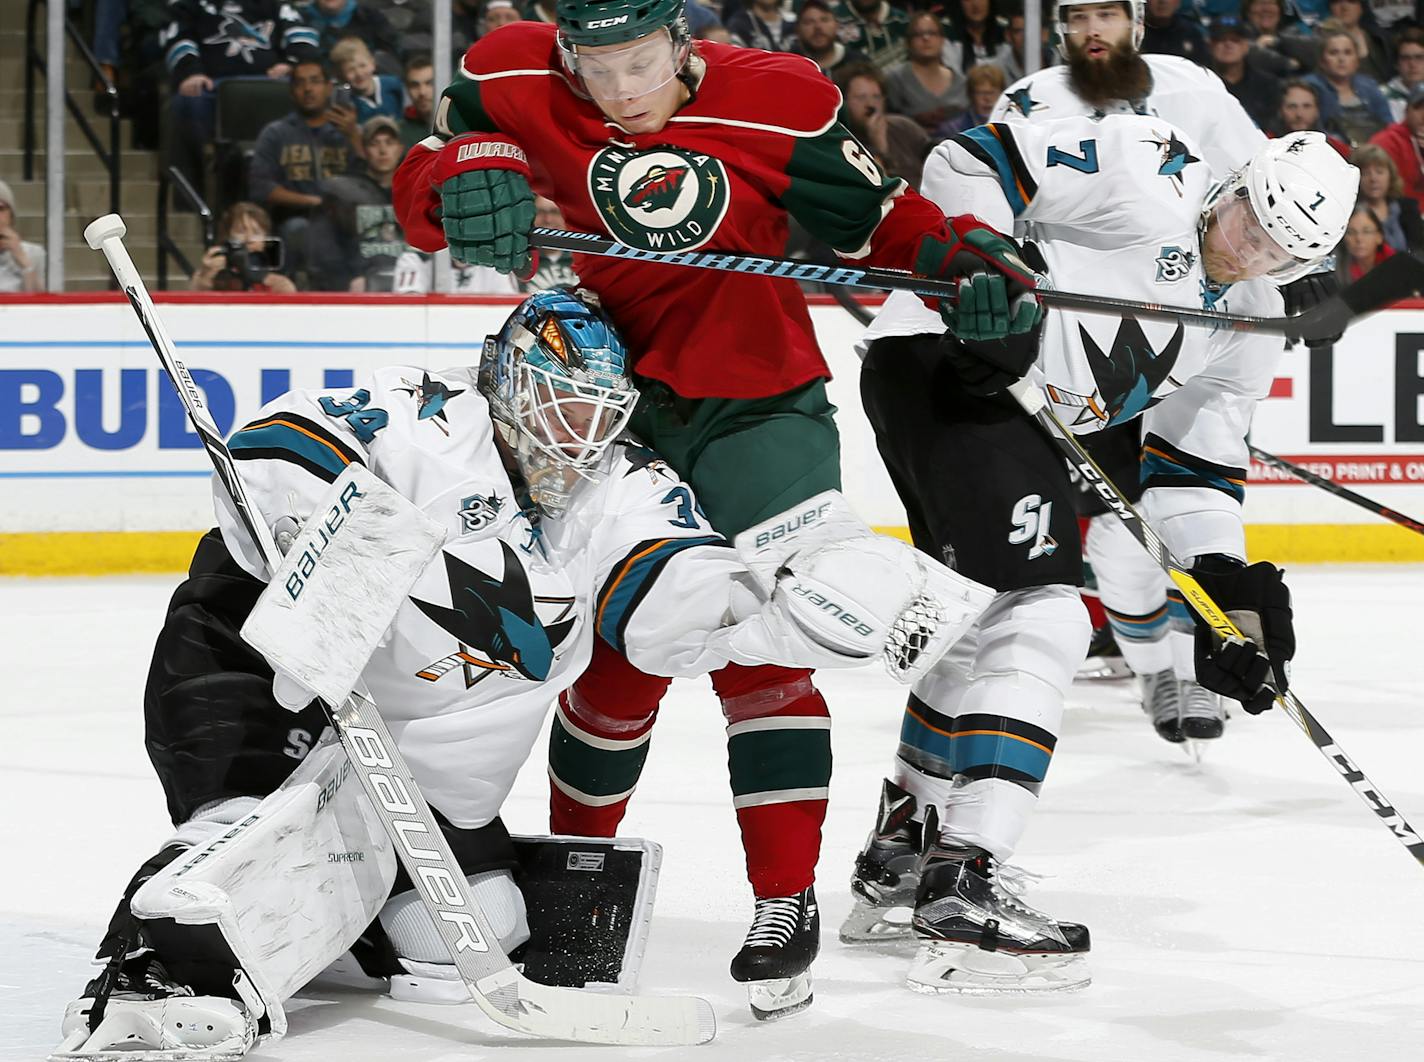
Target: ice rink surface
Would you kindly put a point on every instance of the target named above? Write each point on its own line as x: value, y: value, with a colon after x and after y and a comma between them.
x: 1247, y: 908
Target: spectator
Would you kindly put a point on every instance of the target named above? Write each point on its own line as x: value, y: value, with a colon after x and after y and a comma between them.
x: 1012, y: 64
x: 337, y: 19
x: 1369, y: 41
x: 924, y: 87
x: 500, y: 13
x: 355, y: 240
x: 702, y: 20
x: 410, y: 19
x: 767, y: 24
x: 205, y: 44
x: 873, y: 28
x: 1351, y: 104
x: 1279, y: 48
x: 1311, y: 12
x: 1300, y: 110
x: 243, y: 258
x: 296, y: 153
x: 1169, y: 32
x: 816, y: 29
x: 1389, y: 14
x: 717, y: 34
x: 1409, y: 67
x: 372, y: 93
x: 986, y: 84
x: 1404, y: 141
x: 22, y: 264
x: 1363, y: 247
x: 976, y: 35
x: 1258, y: 93
x: 419, y: 116
x: 1382, y: 190
x: 898, y: 143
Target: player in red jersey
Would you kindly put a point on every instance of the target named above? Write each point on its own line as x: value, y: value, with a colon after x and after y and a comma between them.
x: 634, y: 130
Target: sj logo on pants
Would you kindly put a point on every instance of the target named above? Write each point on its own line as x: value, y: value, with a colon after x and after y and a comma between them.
x: 1032, y: 516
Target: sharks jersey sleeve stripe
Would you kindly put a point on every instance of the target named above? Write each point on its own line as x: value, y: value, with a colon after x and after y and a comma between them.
x: 1164, y: 465
x: 288, y: 437
x: 995, y: 147
x: 631, y: 579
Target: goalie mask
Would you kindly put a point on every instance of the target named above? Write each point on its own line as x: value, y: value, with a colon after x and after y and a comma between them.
x: 557, y: 382
x: 1281, y: 214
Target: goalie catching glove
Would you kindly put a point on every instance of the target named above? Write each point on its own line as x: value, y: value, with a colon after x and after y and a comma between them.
x: 832, y: 593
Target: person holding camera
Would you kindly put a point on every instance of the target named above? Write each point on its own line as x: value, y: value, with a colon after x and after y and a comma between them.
x: 22, y: 263
x: 246, y: 256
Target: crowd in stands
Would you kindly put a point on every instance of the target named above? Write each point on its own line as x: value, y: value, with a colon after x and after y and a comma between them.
x: 362, y: 90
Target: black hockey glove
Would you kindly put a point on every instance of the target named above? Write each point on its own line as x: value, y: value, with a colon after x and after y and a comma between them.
x: 985, y: 367
x: 1308, y: 292
x: 1257, y: 600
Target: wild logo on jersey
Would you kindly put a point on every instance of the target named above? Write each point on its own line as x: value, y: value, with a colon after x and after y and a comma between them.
x: 666, y: 199
x: 1127, y: 374
x: 497, y: 619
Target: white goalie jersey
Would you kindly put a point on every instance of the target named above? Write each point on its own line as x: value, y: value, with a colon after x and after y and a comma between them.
x: 505, y: 616
x: 1112, y: 204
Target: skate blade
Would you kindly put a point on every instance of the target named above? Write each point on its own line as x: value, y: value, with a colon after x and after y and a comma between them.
x: 1103, y: 671
x: 941, y: 967
x: 153, y: 1054
x: 779, y: 997
x: 868, y: 924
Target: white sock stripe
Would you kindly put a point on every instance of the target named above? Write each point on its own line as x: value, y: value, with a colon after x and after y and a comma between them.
x: 780, y: 722
x: 594, y: 741
x: 779, y: 796
x: 586, y: 799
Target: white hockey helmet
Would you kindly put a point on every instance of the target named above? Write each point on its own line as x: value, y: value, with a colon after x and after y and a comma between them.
x: 1301, y: 192
x: 1136, y: 10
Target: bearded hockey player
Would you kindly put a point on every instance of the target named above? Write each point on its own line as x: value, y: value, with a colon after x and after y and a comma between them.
x: 1124, y: 206
x: 667, y: 144
x: 1104, y: 73
x: 559, y: 531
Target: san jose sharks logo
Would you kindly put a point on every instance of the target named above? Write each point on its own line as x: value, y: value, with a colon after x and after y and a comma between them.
x: 497, y: 623
x: 1175, y: 158
x: 478, y: 511
x: 241, y: 37
x: 1174, y: 264
x: 1126, y: 374
x: 431, y: 396
x: 665, y: 199
x: 640, y: 458
x: 1022, y: 101
x: 657, y: 189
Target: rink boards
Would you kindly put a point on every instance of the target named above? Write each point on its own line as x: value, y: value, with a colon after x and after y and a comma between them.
x: 99, y: 471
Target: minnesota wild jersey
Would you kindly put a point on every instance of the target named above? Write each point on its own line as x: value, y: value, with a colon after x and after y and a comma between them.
x: 758, y: 143
x: 1113, y: 203
x: 504, y: 618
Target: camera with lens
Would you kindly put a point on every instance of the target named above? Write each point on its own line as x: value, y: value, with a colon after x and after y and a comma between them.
x: 247, y: 268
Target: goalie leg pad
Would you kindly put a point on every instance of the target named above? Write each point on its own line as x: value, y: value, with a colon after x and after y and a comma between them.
x: 281, y: 893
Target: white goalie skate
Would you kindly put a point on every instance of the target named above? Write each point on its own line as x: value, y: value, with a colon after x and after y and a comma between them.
x: 978, y: 938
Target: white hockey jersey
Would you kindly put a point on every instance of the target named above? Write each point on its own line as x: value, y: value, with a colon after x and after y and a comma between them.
x: 1112, y: 203
x: 1191, y: 97
x: 504, y: 618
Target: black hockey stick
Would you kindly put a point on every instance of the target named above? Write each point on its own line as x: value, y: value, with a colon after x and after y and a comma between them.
x: 500, y: 990
x: 1397, y: 277
x: 1033, y: 402
x: 1307, y: 476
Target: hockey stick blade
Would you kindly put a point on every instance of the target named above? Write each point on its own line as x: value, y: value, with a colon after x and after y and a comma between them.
x: 500, y: 990
x: 1400, y: 276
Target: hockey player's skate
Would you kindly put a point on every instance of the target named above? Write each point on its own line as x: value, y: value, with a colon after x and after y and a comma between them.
x: 978, y: 938
x: 1203, y: 713
x: 775, y: 960
x: 1104, y: 660
x: 1162, y: 701
x: 137, y: 1013
x: 882, y: 886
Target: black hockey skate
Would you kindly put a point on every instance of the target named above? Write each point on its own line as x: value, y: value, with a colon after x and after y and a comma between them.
x: 775, y: 960
x: 1203, y: 713
x: 135, y: 1010
x: 977, y: 937
x: 1162, y: 701
x: 886, y: 873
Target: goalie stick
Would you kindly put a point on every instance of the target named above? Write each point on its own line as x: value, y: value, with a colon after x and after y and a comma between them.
x: 504, y: 994
x: 1397, y: 277
x: 1033, y: 403
x: 1305, y: 475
